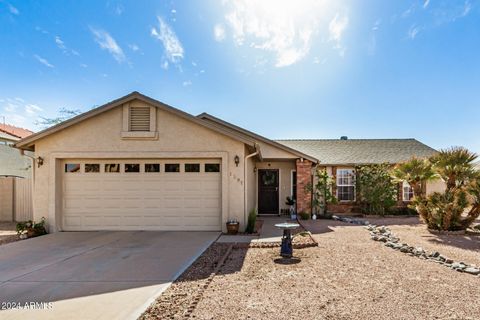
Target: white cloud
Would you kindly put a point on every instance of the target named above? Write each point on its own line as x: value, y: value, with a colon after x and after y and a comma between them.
x: 19, y: 113
x: 283, y: 28
x: 336, y: 28
x: 83, y: 65
x: 43, y: 61
x: 106, y: 42
x: 173, y: 49
x: 413, y: 32
x: 39, y: 29
x: 466, y: 8
x: 134, y: 47
x: 426, y: 3
x: 187, y: 83
x: 13, y: 10
x: 219, y: 32
x: 61, y: 45
x: 173, y: 11
x: 32, y: 109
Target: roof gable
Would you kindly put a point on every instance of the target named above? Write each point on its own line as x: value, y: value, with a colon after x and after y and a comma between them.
x: 257, y: 137
x: 28, y: 142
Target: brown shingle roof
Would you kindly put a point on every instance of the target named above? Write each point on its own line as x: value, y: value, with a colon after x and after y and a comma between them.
x: 15, y: 131
x: 361, y: 151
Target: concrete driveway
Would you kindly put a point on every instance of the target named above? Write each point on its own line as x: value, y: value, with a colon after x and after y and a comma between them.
x: 93, y: 275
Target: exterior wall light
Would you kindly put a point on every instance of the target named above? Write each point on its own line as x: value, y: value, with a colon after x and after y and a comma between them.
x: 40, y: 161
x: 237, y: 160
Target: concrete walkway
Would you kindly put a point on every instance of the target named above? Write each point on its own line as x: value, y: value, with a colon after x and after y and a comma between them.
x: 94, y: 275
x: 268, y: 233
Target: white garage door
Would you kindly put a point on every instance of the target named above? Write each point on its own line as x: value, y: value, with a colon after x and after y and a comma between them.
x: 166, y: 194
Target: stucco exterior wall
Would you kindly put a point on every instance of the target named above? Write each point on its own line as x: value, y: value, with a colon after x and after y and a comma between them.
x: 285, y: 170
x: 100, y: 137
x: 273, y: 153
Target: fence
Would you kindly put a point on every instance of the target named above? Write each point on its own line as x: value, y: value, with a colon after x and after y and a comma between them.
x: 15, y: 199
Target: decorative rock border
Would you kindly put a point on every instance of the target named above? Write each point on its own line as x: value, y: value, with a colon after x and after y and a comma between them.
x: 201, y: 291
x: 351, y: 220
x: 384, y: 234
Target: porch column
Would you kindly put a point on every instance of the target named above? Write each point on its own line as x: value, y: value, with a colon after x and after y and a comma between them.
x: 304, y: 178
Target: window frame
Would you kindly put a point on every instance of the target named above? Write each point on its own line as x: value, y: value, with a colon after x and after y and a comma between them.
x: 411, y: 194
x: 210, y: 163
x: 175, y: 164
x: 72, y: 164
x: 193, y: 164
x: 339, y: 177
x: 91, y: 164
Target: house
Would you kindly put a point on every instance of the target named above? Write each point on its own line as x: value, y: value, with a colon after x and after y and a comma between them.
x: 339, y: 157
x: 12, y: 162
x: 138, y: 164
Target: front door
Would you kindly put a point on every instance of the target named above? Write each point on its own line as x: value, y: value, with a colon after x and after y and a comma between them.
x: 267, y: 191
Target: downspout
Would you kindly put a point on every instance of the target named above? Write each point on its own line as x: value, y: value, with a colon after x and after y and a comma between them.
x: 245, y: 190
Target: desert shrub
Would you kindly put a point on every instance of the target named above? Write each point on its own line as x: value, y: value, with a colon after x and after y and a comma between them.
x: 252, y: 219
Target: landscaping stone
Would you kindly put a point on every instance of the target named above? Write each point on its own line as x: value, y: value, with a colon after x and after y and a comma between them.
x: 472, y: 270
x: 384, y: 234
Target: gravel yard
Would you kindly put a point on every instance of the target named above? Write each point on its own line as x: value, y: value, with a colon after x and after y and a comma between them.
x: 7, y: 232
x: 348, y: 276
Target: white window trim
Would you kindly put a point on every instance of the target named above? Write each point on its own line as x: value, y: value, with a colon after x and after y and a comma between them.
x: 405, y: 184
x: 152, y: 134
x: 346, y: 185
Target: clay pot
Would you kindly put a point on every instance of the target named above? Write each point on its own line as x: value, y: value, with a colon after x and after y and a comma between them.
x: 232, y: 228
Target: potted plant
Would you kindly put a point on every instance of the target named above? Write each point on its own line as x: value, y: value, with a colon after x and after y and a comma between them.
x: 291, y: 202
x: 29, y: 229
x: 232, y: 226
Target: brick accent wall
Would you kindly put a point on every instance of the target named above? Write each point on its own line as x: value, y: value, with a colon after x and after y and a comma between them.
x: 304, y: 177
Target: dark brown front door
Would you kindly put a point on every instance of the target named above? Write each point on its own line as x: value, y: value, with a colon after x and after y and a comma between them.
x: 267, y: 191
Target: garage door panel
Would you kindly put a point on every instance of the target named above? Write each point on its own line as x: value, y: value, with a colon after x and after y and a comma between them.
x: 142, y: 200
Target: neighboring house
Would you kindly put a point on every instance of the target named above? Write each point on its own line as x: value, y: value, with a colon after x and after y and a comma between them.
x: 138, y: 164
x: 12, y: 162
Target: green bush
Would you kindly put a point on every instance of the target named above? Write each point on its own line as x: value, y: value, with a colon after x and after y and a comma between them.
x: 304, y: 215
x: 376, y: 189
x: 252, y: 218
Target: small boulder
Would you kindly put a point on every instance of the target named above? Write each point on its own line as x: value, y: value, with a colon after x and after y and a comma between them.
x: 472, y: 270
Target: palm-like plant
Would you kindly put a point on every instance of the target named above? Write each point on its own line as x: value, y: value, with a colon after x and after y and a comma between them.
x: 455, y: 166
x: 459, y: 205
x: 416, y: 172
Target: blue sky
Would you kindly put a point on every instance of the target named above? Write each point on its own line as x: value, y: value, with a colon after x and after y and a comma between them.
x: 284, y: 69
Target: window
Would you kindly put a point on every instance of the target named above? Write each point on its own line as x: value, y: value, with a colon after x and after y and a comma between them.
x: 212, y: 167
x: 139, y: 119
x: 152, y: 167
x: 172, y: 167
x: 112, y: 167
x: 72, y: 167
x: 92, y: 167
x: 192, y: 167
x: 346, y: 185
x: 129, y: 167
x: 294, y: 185
x: 407, y: 191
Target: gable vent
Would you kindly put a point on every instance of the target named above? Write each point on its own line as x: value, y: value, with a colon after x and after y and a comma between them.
x: 139, y: 119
